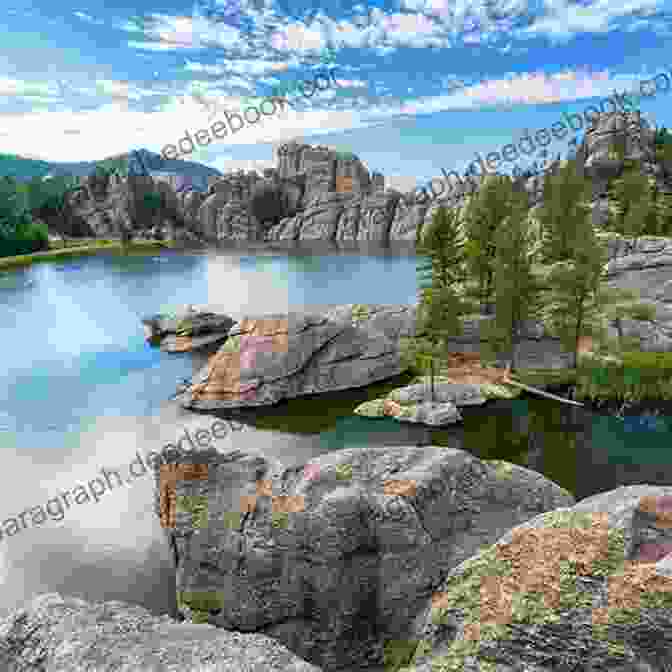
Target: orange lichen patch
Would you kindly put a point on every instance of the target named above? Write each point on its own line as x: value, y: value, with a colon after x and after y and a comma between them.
x: 278, y: 328
x: 223, y: 379
x: 637, y: 579
x: 224, y: 367
x: 182, y: 343
x: 585, y: 344
x: 661, y: 507
x: 168, y: 505
x: 168, y: 477
x: 534, y: 556
x: 404, y: 488
x: 248, y: 503
x: 391, y: 408
x: 265, y: 488
x: 183, y: 471
x: 288, y: 504
x: 440, y: 601
x: 495, y: 594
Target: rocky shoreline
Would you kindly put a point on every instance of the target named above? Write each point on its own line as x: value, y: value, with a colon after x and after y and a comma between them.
x: 371, y: 559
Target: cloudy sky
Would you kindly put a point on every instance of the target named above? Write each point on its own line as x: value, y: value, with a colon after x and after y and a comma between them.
x: 422, y: 84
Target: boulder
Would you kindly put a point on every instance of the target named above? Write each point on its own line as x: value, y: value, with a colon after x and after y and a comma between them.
x: 188, y: 330
x: 337, y: 557
x: 428, y: 413
x: 458, y: 394
x: 65, y: 633
x: 586, y: 587
x: 274, y: 357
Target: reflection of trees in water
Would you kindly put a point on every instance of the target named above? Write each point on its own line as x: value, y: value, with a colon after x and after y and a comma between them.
x: 536, y: 434
x: 304, y: 263
x: 556, y: 433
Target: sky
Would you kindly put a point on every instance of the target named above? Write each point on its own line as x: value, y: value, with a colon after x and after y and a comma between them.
x: 422, y: 85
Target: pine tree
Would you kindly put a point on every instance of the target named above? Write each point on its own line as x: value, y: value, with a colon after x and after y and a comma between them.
x: 441, y: 250
x: 663, y: 207
x: 517, y: 292
x: 440, y: 277
x: 564, y: 212
x: 626, y: 194
x: 573, y: 302
x: 485, y: 212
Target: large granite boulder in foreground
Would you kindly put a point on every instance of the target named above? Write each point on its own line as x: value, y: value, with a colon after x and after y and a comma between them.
x: 58, y: 634
x: 581, y: 588
x: 334, y: 559
x: 273, y: 357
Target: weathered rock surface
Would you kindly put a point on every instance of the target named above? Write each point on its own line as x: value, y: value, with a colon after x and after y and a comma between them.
x: 323, y: 195
x: 644, y: 265
x: 274, y: 357
x: 188, y: 330
x: 433, y: 414
x: 413, y: 403
x: 104, y: 206
x: 66, y: 634
x: 338, y: 557
x: 579, y: 583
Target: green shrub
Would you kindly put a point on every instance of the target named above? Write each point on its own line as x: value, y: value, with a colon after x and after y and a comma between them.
x: 642, y: 375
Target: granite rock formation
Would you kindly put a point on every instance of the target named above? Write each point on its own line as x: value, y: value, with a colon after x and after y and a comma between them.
x: 338, y: 557
x: 104, y: 206
x: 273, y: 357
x: 316, y: 193
x: 189, y: 330
x: 66, y: 634
x: 588, y: 587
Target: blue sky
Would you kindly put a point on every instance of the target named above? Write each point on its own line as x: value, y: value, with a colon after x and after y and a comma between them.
x: 423, y: 84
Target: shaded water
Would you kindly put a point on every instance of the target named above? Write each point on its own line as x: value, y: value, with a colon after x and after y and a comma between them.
x: 80, y: 390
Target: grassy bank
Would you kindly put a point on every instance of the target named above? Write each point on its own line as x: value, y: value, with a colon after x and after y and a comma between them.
x: 639, y: 376
x: 86, y: 248
x: 634, y: 376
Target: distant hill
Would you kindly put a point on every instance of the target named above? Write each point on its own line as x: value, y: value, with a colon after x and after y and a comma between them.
x: 23, y: 169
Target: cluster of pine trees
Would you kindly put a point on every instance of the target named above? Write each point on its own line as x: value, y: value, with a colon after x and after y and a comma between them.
x: 497, y: 255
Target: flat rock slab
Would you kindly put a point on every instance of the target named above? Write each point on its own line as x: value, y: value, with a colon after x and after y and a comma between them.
x: 455, y: 393
x: 67, y: 634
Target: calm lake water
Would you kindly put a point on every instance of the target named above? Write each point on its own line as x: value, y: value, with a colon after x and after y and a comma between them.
x: 80, y: 390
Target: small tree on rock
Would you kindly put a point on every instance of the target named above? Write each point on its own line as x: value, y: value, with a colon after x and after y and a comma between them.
x: 440, y: 276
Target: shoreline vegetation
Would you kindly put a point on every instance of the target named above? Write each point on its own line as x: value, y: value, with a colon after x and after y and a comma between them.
x: 83, y: 249
x: 495, y: 256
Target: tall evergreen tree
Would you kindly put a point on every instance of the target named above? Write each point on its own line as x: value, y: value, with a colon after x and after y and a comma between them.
x: 486, y: 210
x: 663, y: 207
x: 627, y: 194
x: 517, y: 292
x: 440, y: 278
x: 573, y: 301
x: 441, y: 251
x: 564, y: 213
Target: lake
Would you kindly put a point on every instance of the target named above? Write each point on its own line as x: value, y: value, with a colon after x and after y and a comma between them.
x: 81, y: 390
